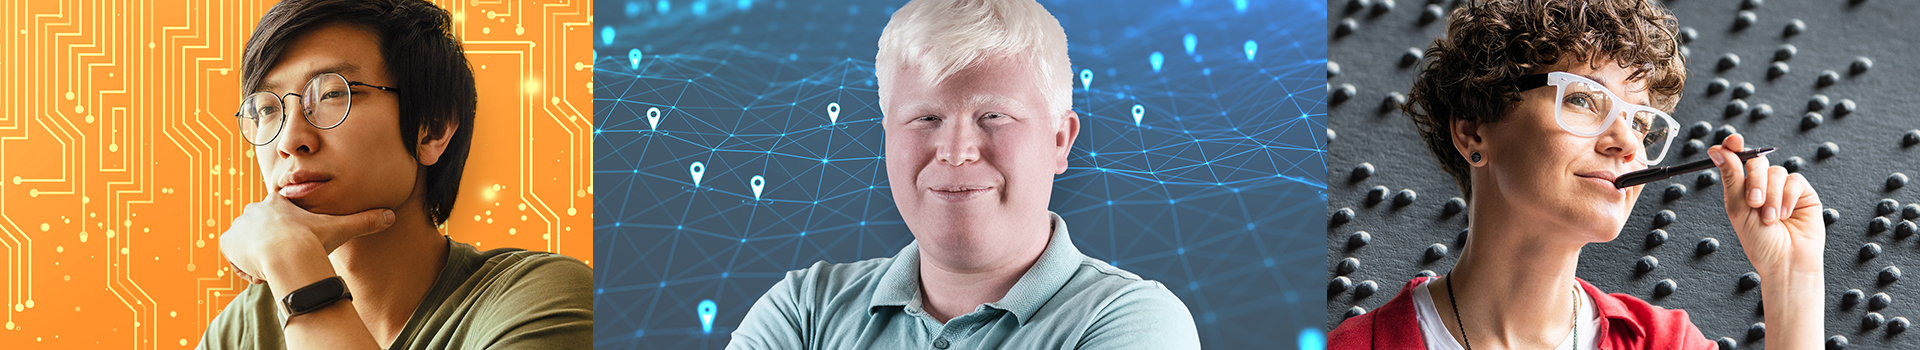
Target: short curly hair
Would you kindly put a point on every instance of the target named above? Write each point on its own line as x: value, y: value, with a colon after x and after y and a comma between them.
x: 1469, y: 73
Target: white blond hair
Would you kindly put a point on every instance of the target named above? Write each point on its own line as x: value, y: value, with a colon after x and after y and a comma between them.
x: 942, y: 37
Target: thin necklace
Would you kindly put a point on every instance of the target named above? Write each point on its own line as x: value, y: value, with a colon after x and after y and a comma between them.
x: 1575, y: 328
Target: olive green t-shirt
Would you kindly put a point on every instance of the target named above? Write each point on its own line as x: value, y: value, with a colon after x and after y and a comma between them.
x: 498, y: 299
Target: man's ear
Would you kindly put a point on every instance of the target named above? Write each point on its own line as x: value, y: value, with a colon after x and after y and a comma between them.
x: 1467, y: 138
x: 1069, y: 129
x: 433, y: 143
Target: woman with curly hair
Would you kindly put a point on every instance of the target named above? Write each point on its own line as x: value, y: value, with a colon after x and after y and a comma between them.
x: 1535, y: 107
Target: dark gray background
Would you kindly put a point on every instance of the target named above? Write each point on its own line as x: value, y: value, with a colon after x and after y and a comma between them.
x: 1851, y: 183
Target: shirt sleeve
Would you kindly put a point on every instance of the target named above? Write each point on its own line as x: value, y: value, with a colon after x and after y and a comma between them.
x: 545, y: 303
x: 776, y: 321
x: 241, y: 326
x: 1147, y: 317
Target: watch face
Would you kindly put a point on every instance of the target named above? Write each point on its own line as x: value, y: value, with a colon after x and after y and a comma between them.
x: 316, y: 295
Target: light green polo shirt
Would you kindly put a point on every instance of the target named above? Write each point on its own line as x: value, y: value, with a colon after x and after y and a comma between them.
x: 1065, y: 301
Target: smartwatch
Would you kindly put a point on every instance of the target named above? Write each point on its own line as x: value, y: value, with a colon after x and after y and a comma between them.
x: 314, y: 297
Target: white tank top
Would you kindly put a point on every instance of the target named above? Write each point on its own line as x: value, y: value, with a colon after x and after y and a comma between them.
x: 1438, y: 338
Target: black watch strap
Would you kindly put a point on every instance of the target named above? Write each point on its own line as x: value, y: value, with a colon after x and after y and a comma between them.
x: 315, y: 296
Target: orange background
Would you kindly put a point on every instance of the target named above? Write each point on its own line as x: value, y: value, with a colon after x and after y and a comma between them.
x: 119, y: 162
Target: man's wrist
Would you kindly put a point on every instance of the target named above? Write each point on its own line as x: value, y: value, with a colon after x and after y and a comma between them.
x: 291, y: 269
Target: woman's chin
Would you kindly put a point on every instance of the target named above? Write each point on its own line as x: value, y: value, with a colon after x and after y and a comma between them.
x: 1605, y: 221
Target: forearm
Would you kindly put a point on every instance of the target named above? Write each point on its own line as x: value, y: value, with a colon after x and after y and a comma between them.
x: 1794, y: 303
x: 336, y: 326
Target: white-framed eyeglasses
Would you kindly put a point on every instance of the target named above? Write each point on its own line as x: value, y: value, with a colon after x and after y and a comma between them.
x: 1586, y: 108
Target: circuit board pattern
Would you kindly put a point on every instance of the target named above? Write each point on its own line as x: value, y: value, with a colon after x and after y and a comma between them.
x: 120, y: 164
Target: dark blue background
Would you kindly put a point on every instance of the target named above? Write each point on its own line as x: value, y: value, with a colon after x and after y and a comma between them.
x: 1219, y: 193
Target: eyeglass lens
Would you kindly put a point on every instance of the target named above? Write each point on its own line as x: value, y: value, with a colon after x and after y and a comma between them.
x: 1585, y: 108
x: 324, y: 101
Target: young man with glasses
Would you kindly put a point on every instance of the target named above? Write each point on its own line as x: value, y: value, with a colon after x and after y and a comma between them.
x: 359, y: 113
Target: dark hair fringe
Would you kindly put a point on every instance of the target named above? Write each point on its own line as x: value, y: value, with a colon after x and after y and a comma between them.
x: 423, y: 59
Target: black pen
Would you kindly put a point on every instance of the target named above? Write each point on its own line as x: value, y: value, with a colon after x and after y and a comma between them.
x: 1643, y: 176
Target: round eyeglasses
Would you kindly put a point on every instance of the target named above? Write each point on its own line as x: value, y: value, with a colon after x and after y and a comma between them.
x: 1586, y: 108
x: 325, y: 102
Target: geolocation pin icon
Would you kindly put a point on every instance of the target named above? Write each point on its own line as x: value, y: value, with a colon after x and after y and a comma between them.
x: 1156, y: 59
x: 1251, y: 48
x: 697, y: 169
x: 1191, y: 42
x: 833, y: 112
x: 633, y: 57
x: 758, y: 184
x: 653, y: 118
x: 1138, y: 111
x: 706, y: 310
x: 1086, y: 79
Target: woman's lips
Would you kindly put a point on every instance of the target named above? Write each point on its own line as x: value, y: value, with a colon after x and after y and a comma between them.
x: 301, y: 190
x: 1603, y: 181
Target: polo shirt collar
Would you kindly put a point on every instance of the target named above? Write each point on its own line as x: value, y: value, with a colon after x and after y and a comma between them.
x: 900, y: 285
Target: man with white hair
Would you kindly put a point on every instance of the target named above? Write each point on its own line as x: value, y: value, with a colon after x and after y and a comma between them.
x: 978, y: 118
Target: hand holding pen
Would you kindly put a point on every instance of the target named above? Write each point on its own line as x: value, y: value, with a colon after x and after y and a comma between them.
x: 1647, y: 175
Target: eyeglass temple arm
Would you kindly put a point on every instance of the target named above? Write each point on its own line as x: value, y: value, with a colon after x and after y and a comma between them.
x: 382, y: 88
x: 1530, y: 82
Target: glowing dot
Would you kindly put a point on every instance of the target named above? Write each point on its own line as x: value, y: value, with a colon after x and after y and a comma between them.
x: 532, y: 86
x: 1311, y: 339
x: 44, y: 227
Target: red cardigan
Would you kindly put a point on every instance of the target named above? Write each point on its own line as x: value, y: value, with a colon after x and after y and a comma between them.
x: 1631, y: 323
